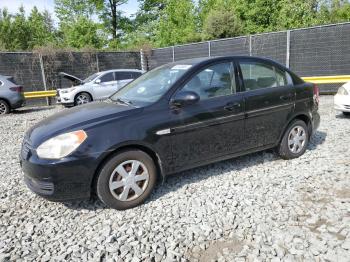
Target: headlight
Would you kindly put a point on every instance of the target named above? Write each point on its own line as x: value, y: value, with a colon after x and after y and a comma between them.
x: 62, y: 145
x: 68, y: 90
x: 342, y: 91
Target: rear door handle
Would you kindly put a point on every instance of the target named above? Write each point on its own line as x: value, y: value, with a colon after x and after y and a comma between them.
x: 286, y: 97
x: 232, y: 106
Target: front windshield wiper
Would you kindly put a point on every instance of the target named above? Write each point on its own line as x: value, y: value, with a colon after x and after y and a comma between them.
x: 121, y: 101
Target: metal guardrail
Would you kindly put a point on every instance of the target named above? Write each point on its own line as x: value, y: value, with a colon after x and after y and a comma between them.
x: 327, y: 79
x: 312, y: 79
x: 40, y: 94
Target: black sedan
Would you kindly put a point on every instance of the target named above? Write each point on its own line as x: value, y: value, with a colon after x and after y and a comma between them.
x: 173, y: 118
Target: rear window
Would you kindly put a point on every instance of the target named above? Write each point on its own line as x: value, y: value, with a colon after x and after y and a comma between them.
x: 136, y: 75
x: 123, y: 75
x: 11, y: 79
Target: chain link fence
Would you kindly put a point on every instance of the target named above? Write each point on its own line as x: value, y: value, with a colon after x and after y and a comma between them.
x: 314, y: 51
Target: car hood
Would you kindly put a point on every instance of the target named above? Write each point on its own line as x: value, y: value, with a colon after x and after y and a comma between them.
x: 74, y: 79
x: 80, y: 117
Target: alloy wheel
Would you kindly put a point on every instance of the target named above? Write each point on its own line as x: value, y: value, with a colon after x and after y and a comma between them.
x: 82, y: 99
x: 3, y: 108
x: 129, y: 180
x: 297, y: 139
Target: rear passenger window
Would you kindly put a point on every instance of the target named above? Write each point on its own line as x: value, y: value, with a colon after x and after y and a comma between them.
x: 123, y: 75
x: 258, y: 75
x: 136, y: 75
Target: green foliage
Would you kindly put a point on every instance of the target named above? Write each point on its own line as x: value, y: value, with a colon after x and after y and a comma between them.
x: 82, y: 33
x: 101, y: 24
x: 19, y: 32
x: 221, y: 23
x: 177, y: 23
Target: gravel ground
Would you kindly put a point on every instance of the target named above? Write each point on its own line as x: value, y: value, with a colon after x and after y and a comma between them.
x: 252, y: 208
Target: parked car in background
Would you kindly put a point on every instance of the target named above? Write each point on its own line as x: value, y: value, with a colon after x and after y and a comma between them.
x: 11, y: 95
x: 178, y: 116
x: 342, y: 99
x: 98, y: 86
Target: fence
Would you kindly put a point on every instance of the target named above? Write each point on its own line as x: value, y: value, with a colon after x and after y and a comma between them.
x: 314, y: 51
x: 37, y: 72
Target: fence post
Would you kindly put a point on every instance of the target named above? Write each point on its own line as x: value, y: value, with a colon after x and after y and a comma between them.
x: 209, y: 48
x: 43, y: 76
x: 97, y: 63
x: 143, y: 61
x: 288, y: 50
x: 250, y: 45
x: 173, y: 53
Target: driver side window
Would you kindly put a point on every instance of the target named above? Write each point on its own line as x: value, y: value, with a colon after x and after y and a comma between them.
x: 214, y: 81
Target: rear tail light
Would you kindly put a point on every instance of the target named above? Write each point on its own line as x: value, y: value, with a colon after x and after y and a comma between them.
x: 18, y: 89
x: 316, y: 94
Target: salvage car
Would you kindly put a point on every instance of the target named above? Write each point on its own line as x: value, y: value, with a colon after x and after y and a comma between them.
x: 98, y: 86
x: 11, y: 95
x: 342, y: 99
x: 176, y: 117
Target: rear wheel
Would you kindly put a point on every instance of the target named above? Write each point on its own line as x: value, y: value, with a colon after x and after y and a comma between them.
x: 4, y: 107
x: 82, y: 98
x: 126, y: 180
x: 294, y: 141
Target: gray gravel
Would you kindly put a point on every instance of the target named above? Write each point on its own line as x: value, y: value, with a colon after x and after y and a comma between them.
x: 252, y: 208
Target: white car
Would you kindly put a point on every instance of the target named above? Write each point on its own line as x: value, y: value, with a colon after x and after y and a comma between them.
x: 342, y: 99
x: 98, y: 86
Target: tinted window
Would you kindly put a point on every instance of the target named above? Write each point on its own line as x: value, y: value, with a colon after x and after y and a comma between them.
x: 136, y: 75
x: 214, y: 81
x: 123, y: 75
x: 258, y: 75
x: 107, y: 77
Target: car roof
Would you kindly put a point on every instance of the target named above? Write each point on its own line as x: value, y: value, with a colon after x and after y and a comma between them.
x: 200, y: 60
x: 121, y: 70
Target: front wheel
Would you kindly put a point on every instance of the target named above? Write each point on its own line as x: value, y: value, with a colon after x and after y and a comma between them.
x: 4, y: 107
x: 346, y: 113
x: 294, y: 141
x: 82, y: 98
x: 126, y: 180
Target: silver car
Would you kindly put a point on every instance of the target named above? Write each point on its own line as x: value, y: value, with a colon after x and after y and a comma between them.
x: 11, y: 95
x: 98, y: 86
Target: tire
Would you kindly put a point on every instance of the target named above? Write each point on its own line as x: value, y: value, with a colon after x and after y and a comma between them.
x: 82, y: 98
x: 4, y: 107
x: 299, y: 144
x: 110, y: 177
x: 346, y: 113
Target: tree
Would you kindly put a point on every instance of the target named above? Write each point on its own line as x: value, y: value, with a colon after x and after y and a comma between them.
x: 83, y: 33
x: 221, y: 23
x: 177, y: 23
x: 110, y: 14
x: 68, y: 10
x: 41, y: 28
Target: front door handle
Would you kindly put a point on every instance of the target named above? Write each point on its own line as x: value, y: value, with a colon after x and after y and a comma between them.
x: 232, y: 106
x: 286, y: 97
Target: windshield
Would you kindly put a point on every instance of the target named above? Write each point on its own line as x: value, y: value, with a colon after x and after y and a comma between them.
x: 92, y: 77
x: 151, y: 86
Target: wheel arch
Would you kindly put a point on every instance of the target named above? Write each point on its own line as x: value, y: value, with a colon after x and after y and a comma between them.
x: 83, y: 91
x: 7, y: 101
x: 133, y: 146
x: 303, y: 117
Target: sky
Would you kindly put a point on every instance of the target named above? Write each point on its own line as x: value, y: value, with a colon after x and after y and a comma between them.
x: 13, y: 5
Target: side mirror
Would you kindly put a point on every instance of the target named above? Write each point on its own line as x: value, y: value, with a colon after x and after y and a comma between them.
x: 98, y: 81
x: 184, y: 98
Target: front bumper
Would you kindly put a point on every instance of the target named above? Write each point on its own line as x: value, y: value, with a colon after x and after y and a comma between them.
x: 67, y: 179
x: 342, y: 103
